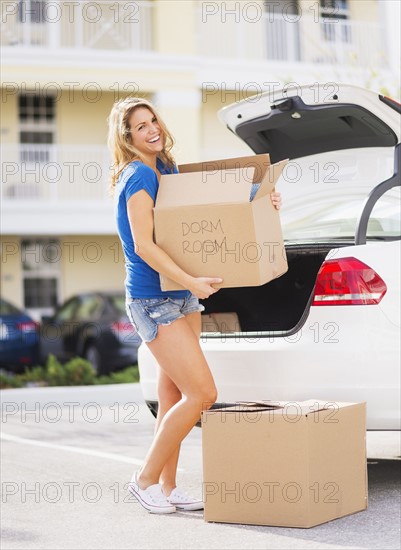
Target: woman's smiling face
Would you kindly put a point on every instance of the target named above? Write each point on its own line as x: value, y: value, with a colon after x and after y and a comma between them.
x: 146, y: 134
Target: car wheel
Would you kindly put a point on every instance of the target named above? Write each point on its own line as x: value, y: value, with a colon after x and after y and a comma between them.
x: 93, y: 356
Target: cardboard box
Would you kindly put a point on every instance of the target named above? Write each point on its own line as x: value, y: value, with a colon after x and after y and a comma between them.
x: 220, y: 322
x: 204, y: 220
x: 291, y: 464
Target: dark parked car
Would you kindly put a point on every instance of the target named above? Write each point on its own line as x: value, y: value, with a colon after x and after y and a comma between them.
x: 19, y: 338
x: 93, y: 325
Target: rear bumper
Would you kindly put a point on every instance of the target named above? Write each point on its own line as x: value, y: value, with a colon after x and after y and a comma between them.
x: 336, y: 356
x: 19, y: 357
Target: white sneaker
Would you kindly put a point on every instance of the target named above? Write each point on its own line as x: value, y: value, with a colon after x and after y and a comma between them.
x: 182, y: 501
x: 152, y: 498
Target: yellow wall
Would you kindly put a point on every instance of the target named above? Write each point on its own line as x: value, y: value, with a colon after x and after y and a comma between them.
x: 217, y: 141
x: 97, y: 264
x: 11, y: 272
x: 364, y: 10
x: 9, y: 116
x: 84, y: 120
x: 174, y: 29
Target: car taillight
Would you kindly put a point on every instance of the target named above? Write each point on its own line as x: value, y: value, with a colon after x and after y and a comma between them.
x: 123, y: 329
x: 347, y: 282
x: 27, y: 326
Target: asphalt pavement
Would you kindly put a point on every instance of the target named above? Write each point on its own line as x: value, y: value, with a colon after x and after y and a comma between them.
x: 69, y: 452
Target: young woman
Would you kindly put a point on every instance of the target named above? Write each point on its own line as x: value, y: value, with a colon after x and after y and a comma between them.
x: 168, y: 322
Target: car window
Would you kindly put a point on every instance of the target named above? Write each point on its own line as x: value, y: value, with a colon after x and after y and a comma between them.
x: 385, y: 219
x: 7, y: 309
x: 90, y: 307
x: 118, y: 303
x: 323, y: 195
x: 66, y: 312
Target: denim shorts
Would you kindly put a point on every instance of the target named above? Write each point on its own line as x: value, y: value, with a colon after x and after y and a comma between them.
x: 146, y: 314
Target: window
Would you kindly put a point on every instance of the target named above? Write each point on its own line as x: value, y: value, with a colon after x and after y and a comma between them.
x: 67, y: 312
x: 118, y: 304
x: 384, y: 221
x: 40, y: 293
x: 339, y: 182
x: 334, y: 9
x: 41, y: 274
x: 35, y: 153
x: 36, y: 108
x: 282, y: 29
x: 33, y: 11
x: 37, y: 127
x: 89, y: 308
x: 334, y: 15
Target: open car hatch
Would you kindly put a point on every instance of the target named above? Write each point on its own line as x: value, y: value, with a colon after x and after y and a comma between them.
x: 305, y: 121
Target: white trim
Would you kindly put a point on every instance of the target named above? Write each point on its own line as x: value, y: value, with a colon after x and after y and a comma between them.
x: 178, y: 98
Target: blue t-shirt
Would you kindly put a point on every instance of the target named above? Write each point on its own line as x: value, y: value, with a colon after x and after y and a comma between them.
x: 141, y: 280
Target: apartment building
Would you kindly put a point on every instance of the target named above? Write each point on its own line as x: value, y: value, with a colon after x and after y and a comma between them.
x: 65, y: 62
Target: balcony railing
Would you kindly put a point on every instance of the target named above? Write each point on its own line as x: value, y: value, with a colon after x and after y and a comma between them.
x: 306, y: 40
x: 55, y: 173
x: 110, y: 25
x: 102, y: 25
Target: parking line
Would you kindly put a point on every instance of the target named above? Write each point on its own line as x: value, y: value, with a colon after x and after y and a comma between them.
x: 68, y: 448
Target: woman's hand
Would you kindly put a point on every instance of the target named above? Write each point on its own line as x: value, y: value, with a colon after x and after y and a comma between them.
x: 276, y: 199
x: 202, y: 287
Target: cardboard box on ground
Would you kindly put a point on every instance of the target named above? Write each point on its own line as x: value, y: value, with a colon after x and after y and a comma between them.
x: 284, y: 464
x: 205, y: 221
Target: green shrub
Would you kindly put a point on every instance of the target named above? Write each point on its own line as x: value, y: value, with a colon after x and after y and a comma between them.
x: 35, y: 374
x: 9, y: 381
x: 76, y: 372
x: 55, y: 372
x: 79, y: 372
x: 125, y: 376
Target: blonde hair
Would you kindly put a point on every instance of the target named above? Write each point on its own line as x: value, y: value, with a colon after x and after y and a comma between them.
x: 119, y: 138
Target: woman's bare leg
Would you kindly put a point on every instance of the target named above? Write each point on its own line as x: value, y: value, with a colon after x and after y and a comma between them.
x: 169, y: 395
x: 178, y: 352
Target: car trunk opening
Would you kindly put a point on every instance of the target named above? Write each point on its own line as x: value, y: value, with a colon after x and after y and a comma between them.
x: 281, y: 304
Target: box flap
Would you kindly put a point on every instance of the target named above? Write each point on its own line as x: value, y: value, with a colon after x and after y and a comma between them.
x: 266, y: 403
x: 270, y: 178
x: 248, y: 406
x: 315, y: 405
x: 199, y: 188
x: 259, y: 162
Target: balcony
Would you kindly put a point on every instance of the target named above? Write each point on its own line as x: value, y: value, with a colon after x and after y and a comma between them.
x: 63, y: 25
x: 56, y: 189
x: 90, y: 27
x: 274, y: 38
x: 55, y: 173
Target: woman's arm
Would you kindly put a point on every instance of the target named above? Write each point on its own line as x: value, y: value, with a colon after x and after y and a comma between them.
x: 140, y: 215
